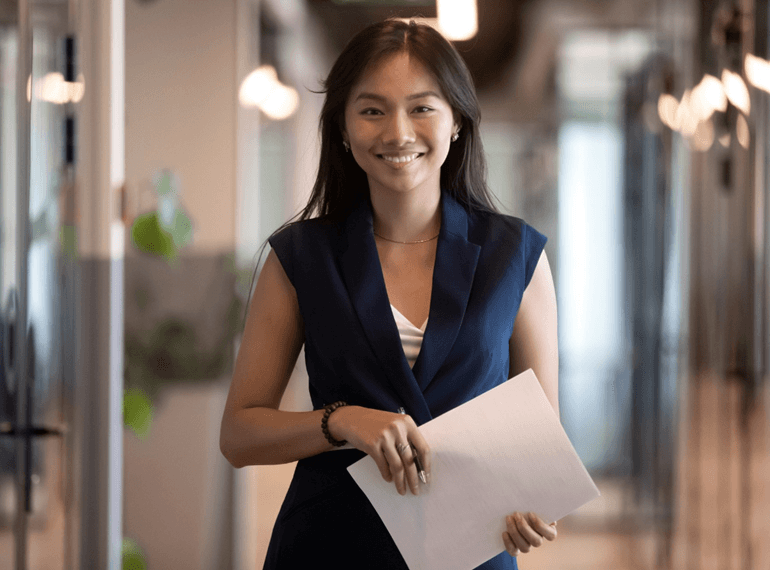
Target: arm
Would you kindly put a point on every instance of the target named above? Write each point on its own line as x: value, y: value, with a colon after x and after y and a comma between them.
x: 254, y: 431
x: 534, y: 343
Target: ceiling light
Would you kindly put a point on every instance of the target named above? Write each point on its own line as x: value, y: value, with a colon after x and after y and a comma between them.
x: 667, y: 107
x: 708, y: 96
x: 736, y: 90
x: 457, y: 19
x: 281, y: 103
x: 257, y: 85
x: 757, y: 72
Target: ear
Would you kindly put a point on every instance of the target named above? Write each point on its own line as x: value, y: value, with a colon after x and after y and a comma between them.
x: 458, y: 123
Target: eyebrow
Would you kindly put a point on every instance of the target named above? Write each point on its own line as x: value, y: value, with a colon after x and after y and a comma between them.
x: 376, y: 97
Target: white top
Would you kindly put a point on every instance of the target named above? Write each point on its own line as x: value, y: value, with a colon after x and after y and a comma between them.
x: 411, y: 336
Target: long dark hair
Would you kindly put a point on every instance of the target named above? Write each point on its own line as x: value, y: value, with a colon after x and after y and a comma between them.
x: 340, y: 181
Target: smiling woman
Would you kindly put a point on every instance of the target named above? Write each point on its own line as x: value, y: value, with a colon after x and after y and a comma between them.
x: 401, y: 161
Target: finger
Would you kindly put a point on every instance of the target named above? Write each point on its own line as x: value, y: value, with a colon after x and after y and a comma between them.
x: 422, y: 449
x: 410, y: 470
x: 526, y: 531
x: 547, y: 531
x: 510, y: 547
x: 382, y: 465
x: 513, y: 532
x: 396, y: 467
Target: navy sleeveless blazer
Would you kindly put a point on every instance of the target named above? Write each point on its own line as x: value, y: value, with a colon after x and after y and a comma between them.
x: 353, y: 352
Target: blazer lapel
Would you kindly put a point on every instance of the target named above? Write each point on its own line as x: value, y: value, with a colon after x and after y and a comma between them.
x: 455, y: 265
x: 453, y: 271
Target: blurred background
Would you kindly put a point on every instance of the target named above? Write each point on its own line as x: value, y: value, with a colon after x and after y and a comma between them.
x: 148, y: 148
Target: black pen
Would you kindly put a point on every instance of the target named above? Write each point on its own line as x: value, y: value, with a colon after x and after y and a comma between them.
x: 417, y: 461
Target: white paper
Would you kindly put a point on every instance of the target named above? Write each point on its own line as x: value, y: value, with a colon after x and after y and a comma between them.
x: 501, y: 452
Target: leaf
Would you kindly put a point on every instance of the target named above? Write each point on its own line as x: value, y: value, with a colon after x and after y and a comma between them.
x: 132, y: 555
x: 149, y: 237
x: 137, y: 412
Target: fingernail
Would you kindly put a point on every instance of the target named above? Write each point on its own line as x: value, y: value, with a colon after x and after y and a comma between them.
x: 422, y: 477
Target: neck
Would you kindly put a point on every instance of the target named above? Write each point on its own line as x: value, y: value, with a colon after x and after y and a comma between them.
x: 406, y: 217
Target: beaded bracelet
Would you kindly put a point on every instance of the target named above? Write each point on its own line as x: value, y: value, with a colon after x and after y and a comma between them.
x: 324, y: 422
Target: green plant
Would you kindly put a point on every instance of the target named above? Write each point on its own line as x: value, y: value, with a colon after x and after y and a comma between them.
x: 132, y: 557
x: 137, y: 412
x: 168, y: 228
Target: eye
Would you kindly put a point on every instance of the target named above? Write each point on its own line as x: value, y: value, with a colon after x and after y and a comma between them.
x: 370, y: 111
x: 423, y: 109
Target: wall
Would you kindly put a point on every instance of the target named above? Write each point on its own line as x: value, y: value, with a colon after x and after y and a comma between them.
x: 180, y: 109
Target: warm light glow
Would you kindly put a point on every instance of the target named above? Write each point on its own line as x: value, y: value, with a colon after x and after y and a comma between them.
x: 667, y: 108
x: 262, y: 89
x: 257, y: 85
x: 78, y: 89
x: 686, y: 120
x: 736, y: 90
x: 52, y: 88
x: 708, y: 96
x: 703, y: 137
x: 757, y: 72
x: 724, y: 140
x: 742, y: 131
x: 457, y: 19
x: 280, y: 103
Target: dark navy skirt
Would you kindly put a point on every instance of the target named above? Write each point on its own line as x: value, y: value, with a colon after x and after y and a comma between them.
x: 325, y: 517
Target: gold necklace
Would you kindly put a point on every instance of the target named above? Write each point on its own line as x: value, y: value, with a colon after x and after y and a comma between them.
x: 408, y: 242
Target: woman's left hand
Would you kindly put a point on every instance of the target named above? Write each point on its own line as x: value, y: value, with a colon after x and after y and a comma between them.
x: 525, y: 530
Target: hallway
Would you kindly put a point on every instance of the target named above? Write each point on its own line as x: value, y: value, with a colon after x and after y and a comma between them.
x: 709, y: 517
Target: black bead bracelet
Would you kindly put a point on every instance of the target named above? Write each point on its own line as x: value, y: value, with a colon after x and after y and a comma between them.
x: 324, y: 423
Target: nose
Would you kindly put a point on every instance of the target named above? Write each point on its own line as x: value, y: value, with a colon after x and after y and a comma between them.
x: 398, y: 130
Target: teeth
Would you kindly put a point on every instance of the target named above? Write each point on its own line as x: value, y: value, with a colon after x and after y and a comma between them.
x: 400, y: 159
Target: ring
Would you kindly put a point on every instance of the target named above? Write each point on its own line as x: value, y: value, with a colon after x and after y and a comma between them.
x: 401, y: 448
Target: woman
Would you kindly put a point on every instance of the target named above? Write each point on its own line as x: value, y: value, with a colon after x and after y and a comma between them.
x: 406, y: 235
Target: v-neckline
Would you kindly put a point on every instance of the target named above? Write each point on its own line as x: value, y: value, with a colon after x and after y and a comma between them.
x: 422, y: 328
x: 453, y: 275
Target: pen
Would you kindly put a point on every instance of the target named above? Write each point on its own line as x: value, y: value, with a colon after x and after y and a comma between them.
x: 417, y: 461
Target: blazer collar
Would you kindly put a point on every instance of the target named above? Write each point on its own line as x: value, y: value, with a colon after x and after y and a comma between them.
x: 455, y: 266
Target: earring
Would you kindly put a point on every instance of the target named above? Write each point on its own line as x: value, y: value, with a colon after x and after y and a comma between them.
x: 455, y: 137
x: 346, y: 144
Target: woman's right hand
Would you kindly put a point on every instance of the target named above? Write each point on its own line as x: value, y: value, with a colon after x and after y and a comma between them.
x: 378, y: 434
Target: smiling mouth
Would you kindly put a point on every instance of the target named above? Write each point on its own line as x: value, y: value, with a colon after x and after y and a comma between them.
x: 401, y: 159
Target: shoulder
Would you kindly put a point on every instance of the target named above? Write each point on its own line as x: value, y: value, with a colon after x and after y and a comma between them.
x: 493, y: 228
x: 302, y: 233
x: 509, y: 240
x: 301, y: 244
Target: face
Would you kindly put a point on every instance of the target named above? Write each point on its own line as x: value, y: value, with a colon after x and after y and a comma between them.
x: 399, y: 126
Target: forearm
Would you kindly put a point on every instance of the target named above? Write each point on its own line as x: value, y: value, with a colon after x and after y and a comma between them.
x: 265, y: 436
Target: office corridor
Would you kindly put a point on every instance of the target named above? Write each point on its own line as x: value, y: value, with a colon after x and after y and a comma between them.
x: 720, y: 523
